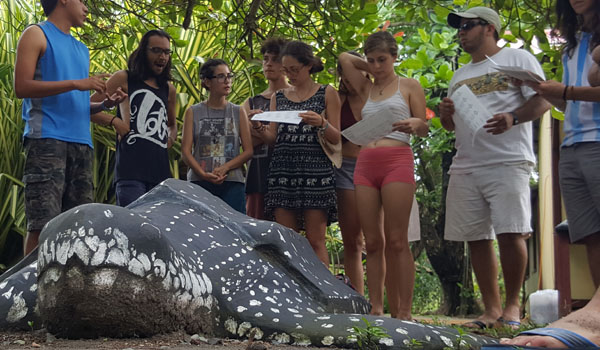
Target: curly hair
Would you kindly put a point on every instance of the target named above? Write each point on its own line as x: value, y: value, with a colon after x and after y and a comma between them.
x: 303, y: 53
x: 137, y: 64
x: 569, y: 24
x: 273, y: 46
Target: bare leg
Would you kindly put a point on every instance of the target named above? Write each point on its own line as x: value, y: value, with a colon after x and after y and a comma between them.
x: 585, y: 322
x: 369, y: 216
x: 592, y: 245
x: 352, y: 237
x: 315, y: 222
x: 400, y: 276
x: 286, y: 218
x: 485, y: 266
x: 31, y: 241
x: 513, y: 257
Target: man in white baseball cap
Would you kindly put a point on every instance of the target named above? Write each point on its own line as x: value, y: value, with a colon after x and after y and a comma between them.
x: 488, y: 194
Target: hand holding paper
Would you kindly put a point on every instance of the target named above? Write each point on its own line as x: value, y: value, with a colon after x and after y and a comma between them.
x: 468, y: 111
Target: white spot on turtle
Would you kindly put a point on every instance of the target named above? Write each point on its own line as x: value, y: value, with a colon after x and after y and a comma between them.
x: 258, y: 314
x: 446, y: 341
x: 387, y: 341
x: 327, y: 340
x: 327, y: 325
x: 401, y: 331
x: 255, y: 302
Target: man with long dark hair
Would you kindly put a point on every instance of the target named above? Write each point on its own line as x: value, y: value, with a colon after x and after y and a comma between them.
x: 52, y: 76
x: 145, y: 122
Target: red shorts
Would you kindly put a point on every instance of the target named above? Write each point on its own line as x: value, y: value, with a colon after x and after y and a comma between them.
x: 376, y: 167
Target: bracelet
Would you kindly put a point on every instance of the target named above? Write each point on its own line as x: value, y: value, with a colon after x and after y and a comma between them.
x: 564, y: 96
x: 323, y: 128
x: 112, y: 120
x: 572, y: 90
x: 322, y: 121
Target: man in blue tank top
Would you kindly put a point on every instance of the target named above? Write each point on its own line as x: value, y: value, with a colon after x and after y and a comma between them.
x: 145, y: 123
x: 52, y: 76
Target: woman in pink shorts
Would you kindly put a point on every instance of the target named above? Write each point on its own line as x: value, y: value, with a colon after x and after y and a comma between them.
x: 384, y: 174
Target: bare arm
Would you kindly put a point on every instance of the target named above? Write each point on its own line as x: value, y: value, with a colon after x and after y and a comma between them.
x: 116, y: 82
x: 333, y: 107
x: 534, y: 108
x: 417, y: 123
x: 30, y: 49
x: 446, y: 108
x: 256, y: 128
x: 353, y: 68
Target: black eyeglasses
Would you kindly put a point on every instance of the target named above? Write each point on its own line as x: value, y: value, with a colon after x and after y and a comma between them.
x: 471, y: 24
x: 159, y: 50
x: 221, y: 77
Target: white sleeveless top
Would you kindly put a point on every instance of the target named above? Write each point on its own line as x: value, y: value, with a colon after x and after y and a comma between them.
x: 396, y: 104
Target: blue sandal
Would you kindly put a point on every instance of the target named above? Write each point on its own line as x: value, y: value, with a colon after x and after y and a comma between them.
x: 571, y: 340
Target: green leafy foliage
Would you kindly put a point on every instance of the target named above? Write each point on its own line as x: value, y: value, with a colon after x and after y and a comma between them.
x: 368, y: 337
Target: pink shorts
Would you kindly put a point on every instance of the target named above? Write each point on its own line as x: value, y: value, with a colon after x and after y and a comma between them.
x: 377, y: 167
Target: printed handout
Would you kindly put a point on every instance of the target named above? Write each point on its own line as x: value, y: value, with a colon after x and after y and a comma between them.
x: 470, y: 112
x: 519, y: 73
x: 289, y: 117
x: 372, y: 129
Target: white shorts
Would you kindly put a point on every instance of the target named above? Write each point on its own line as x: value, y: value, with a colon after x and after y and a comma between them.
x: 488, y: 201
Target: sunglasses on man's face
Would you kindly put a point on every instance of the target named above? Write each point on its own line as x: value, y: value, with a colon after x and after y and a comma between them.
x: 470, y: 25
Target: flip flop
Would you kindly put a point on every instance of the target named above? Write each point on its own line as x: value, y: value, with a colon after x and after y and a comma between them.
x: 511, y: 324
x: 478, y: 325
x: 571, y: 340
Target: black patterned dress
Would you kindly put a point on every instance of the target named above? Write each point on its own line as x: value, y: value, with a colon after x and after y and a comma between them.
x: 300, y: 174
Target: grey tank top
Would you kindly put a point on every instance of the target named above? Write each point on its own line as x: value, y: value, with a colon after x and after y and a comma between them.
x: 396, y: 104
x: 216, y: 139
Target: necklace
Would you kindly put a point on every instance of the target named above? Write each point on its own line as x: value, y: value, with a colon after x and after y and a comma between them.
x: 386, y: 85
x: 300, y: 98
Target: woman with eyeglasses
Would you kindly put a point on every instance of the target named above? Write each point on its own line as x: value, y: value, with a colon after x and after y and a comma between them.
x: 145, y: 122
x: 384, y: 173
x: 301, y: 184
x: 213, y: 131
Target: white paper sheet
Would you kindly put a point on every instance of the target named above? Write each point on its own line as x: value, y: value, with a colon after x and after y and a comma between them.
x: 519, y: 73
x: 470, y: 112
x: 289, y: 117
x: 372, y: 129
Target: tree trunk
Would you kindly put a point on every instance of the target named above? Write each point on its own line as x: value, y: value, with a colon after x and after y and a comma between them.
x: 448, y: 259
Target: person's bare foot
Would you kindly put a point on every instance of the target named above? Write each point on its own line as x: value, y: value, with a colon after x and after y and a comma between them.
x: 585, y: 323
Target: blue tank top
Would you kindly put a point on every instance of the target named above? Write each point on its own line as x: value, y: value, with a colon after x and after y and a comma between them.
x: 65, y: 116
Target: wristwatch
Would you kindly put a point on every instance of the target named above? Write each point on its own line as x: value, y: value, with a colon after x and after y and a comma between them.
x: 515, y: 118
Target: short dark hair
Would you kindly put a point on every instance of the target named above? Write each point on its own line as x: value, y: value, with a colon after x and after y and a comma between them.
x: 303, y: 53
x: 273, y: 46
x: 207, y: 69
x: 137, y: 65
x: 382, y: 41
x: 49, y: 6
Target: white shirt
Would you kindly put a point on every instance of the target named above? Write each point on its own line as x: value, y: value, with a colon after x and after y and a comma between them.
x: 497, y: 95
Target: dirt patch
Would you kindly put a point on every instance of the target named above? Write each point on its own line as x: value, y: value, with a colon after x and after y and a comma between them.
x: 173, y: 341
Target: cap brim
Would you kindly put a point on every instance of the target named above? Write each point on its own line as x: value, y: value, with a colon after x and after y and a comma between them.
x: 455, y: 17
